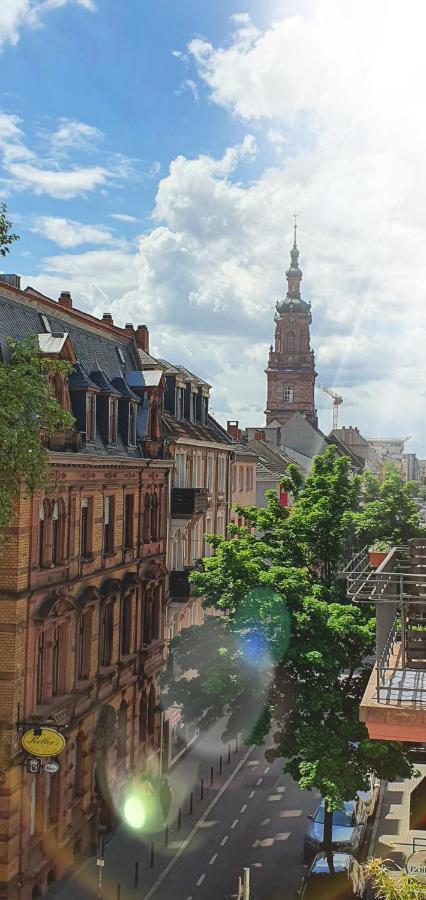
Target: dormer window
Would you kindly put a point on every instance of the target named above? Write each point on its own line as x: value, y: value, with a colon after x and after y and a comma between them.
x: 179, y: 402
x: 193, y: 408
x: 132, y: 424
x: 204, y: 410
x: 90, y: 416
x: 112, y: 421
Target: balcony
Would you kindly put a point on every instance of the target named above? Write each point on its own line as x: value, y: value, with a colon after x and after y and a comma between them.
x: 179, y: 584
x: 394, y: 703
x: 188, y: 502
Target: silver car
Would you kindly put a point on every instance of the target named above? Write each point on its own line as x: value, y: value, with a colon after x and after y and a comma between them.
x: 348, y: 829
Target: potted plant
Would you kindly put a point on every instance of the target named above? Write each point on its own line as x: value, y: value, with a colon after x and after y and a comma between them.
x: 378, y: 552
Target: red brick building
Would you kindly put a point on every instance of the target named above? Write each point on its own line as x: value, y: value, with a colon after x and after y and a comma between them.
x: 291, y: 366
x: 82, y: 596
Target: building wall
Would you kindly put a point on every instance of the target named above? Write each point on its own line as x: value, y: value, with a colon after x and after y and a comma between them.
x: 243, y: 485
x: 107, y: 714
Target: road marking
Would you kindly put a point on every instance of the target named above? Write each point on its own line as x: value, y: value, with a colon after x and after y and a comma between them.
x: 224, y: 840
x: 185, y: 843
x: 266, y: 770
x: 243, y: 808
x: 235, y: 823
x: 189, y: 898
x: 259, y: 781
x: 251, y: 794
x: 201, y: 879
x: 213, y: 859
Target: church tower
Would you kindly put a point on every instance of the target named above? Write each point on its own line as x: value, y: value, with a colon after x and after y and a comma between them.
x: 291, y: 366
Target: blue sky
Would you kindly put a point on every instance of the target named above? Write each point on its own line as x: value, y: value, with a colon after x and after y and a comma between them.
x: 152, y: 156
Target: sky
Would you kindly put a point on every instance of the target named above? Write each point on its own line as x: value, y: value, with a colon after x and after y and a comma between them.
x: 152, y: 156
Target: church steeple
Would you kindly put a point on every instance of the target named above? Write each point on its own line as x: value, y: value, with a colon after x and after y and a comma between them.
x: 291, y: 367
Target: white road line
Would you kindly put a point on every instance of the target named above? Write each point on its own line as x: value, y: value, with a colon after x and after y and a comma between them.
x: 243, y: 808
x: 259, y: 781
x: 266, y: 770
x: 185, y: 843
x: 224, y: 840
x: 201, y: 879
x: 213, y: 859
x: 251, y: 794
x: 235, y: 823
x: 189, y: 898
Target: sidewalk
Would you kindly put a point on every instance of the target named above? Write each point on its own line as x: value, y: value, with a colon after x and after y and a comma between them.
x: 126, y: 847
x: 391, y: 837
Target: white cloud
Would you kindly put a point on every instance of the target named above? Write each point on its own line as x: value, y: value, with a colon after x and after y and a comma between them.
x: 15, y: 15
x: 123, y: 217
x: 24, y: 169
x: 67, y: 233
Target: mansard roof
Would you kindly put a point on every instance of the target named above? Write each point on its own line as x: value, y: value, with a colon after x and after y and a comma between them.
x: 181, y: 428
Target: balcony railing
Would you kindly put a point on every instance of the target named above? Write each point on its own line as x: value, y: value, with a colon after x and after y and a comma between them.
x: 398, y: 590
x: 179, y: 584
x: 188, y: 502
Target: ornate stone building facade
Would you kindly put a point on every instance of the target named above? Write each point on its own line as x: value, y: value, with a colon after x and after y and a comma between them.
x: 82, y: 596
x: 291, y: 366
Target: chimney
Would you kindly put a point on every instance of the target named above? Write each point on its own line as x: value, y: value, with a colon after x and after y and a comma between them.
x: 107, y: 317
x: 65, y: 300
x: 142, y: 337
x: 233, y: 430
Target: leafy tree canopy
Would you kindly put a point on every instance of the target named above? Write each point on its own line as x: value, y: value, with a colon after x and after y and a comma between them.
x: 387, y: 509
x: 7, y: 237
x: 28, y: 406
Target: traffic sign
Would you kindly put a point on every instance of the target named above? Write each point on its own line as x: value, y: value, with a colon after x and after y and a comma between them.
x: 100, y: 861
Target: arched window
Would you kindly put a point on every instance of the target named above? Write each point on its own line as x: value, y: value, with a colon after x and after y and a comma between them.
x: 126, y: 625
x: 156, y: 614
x: 151, y: 712
x: 143, y: 717
x: 84, y: 644
x: 291, y: 342
x: 147, y: 618
x: 106, y: 633
x: 122, y: 731
x: 42, y: 535
x: 58, y: 516
x: 40, y: 668
x: 154, y: 517
x: 288, y: 394
x: 147, y: 520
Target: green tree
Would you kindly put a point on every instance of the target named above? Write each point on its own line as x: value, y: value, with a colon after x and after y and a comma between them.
x: 7, y: 237
x: 387, y: 509
x: 283, y: 650
x: 28, y: 407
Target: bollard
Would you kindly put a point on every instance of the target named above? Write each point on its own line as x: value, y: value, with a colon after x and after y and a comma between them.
x: 191, y: 803
x: 136, y: 874
x: 236, y: 744
x: 220, y: 764
x: 118, y: 890
x: 202, y: 789
x: 166, y: 835
x: 179, y: 819
x: 152, y: 854
x: 211, y: 776
x: 229, y: 754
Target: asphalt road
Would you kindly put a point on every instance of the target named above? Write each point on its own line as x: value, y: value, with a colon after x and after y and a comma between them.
x: 252, y: 816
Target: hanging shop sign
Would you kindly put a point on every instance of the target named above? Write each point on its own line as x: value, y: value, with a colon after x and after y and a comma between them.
x: 416, y: 865
x: 46, y: 743
x: 33, y: 766
x: 52, y: 767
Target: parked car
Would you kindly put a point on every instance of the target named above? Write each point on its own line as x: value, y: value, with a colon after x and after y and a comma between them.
x: 348, y: 830
x: 370, y: 796
x: 333, y: 876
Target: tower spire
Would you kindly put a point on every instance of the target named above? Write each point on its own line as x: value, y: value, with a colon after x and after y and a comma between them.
x: 295, y: 230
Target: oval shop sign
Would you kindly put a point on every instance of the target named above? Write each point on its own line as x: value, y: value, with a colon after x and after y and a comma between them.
x: 48, y: 743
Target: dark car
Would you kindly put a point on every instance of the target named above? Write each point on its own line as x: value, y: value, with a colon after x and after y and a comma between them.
x: 333, y: 876
x: 348, y: 832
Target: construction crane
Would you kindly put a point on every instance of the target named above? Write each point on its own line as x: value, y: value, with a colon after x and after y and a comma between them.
x: 337, y: 400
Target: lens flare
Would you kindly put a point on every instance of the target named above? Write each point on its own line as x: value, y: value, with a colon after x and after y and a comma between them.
x: 134, y: 812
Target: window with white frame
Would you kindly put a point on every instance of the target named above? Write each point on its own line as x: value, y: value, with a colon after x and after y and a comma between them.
x: 221, y: 473
x: 208, y: 549
x: 288, y: 394
x: 180, y: 463
x: 197, y: 462
x: 220, y: 527
x: 209, y: 472
x: 178, y: 554
x: 249, y: 478
x: 112, y: 421
x: 193, y: 407
x: 179, y: 402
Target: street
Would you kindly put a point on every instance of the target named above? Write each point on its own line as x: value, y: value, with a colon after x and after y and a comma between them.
x: 253, y: 816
